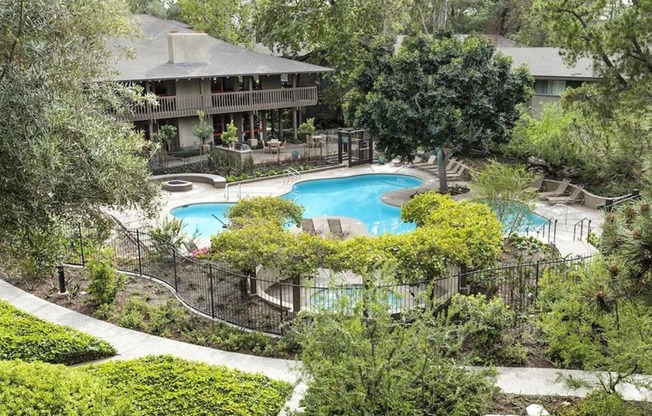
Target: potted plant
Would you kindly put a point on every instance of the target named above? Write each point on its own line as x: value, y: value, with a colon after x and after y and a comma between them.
x: 307, y: 129
x: 204, y: 131
x: 230, y: 136
x: 163, y: 137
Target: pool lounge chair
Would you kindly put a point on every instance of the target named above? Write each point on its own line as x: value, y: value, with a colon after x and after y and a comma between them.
x: 570, y: 199
x: 335, y: 227
x: 536, y: 185
x: 557, y: 192
x: 308, y: 226
x: 431, y: 161
x: 434, y: 167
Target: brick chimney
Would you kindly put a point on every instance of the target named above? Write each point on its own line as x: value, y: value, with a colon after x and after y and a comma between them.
x: 188, y: 48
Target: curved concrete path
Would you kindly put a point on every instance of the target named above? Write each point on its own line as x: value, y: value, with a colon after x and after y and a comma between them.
x: 133, y: 344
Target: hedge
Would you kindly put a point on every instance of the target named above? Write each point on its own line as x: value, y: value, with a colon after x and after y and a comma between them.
x: 25, y: 337
x: 46, y: 389
x: 164, y: 385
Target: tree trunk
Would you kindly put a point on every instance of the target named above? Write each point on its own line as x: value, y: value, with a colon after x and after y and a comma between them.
x: 441, y: 164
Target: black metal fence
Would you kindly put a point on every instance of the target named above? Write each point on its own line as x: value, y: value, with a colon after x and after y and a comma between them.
x: 518, y: 284
x: 266, y: 302
x: 214, y: 289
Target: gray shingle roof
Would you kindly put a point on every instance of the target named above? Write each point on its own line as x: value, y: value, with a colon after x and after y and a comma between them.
x: 546, y: 63
x: 151, y: 60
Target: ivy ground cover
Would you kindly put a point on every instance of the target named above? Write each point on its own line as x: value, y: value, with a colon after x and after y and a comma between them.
x: 160, y: 385
x: 26, y: 337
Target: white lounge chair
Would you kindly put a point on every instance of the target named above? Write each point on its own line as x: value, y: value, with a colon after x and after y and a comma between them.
x: 572, y: 198
x: 557, y: 192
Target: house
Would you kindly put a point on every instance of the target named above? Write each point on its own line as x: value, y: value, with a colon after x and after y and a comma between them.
x: 191, y: 72
x: 551, y: 74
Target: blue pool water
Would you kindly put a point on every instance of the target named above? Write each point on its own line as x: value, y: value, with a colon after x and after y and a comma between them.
x: 198, y: 217
x: 530, y: 221
x: 355, y: 196
x: 348, y: 296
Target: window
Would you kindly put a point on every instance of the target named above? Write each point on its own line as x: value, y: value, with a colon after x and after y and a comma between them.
x: 549, y: 87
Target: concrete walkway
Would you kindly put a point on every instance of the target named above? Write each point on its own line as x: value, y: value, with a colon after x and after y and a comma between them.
x: 133, y: 344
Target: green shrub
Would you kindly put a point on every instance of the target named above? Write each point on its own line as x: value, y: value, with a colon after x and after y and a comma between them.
x: 25, y: 337
x: 484, y: 327
x: 46, y: 389
x: 170, y: 386
x: 599, y: 403
x: 585, y: 322
x: 106, y: 282
x: 372, y: 364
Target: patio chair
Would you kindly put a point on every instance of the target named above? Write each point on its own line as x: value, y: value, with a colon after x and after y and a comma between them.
x: 432, y: 160
x: 572, y: 198
x: 335, y: 227
x: 433, y: 166
x: 308, y: 226
x: 557, y: 192
x: 536, y: 185
x: 274, y: 146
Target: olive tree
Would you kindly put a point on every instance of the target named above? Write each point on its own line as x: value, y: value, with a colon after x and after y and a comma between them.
x: 63, y: 152
x: 506, y: 190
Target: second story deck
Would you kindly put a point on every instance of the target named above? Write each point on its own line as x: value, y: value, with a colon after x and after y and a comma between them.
x: 225, y: 102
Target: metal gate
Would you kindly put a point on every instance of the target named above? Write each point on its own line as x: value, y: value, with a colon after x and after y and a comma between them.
x: 355, y: 146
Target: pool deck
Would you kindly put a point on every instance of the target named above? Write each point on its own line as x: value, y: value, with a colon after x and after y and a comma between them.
x: 567, y: 216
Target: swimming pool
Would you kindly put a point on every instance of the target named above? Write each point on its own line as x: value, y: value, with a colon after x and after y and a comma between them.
x: 348, y: 296
x: 355, y: 196
x: 529, y: 221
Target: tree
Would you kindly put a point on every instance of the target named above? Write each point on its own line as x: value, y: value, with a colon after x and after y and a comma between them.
x: 156, y: 8
x: 627, y: 241
x: 63, y: 152
x: 330, y: 32
x: 440, y: 93
x: 615, y: 35
x: 506, y: 189
x: 227, y: 20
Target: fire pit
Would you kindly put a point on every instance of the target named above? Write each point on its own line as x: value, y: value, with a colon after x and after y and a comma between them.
x: 177, y: 186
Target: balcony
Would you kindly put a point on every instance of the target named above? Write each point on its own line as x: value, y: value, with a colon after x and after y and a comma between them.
x: 225, y: 102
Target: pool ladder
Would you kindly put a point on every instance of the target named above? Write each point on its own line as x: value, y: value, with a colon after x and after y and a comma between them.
x: 291, y: 175
x: 227, y: 191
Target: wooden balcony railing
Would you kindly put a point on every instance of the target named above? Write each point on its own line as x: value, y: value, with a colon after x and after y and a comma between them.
x: 225, y: 102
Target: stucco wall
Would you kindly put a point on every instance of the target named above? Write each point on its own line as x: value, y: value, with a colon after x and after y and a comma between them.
x: 188, y: 87
x: 186, y: 136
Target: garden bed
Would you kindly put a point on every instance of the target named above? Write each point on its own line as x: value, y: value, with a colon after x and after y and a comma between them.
x: 148, y: 306
x: 235, y: 171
